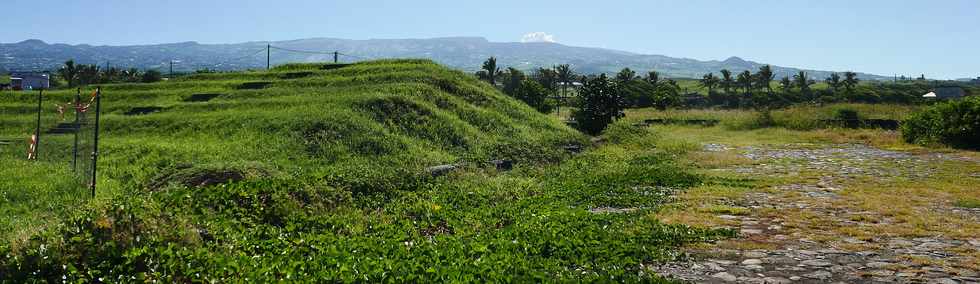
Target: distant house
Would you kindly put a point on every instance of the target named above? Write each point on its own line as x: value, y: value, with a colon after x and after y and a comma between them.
x: 30, y: 81
x: 946, y: 93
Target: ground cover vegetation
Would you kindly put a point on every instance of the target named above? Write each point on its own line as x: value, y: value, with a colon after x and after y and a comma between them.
x: 313, y: 171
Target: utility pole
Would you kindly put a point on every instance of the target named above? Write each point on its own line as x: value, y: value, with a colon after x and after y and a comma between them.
x: 171, y: 69
x: 335, y: 53
x: 268, y: 56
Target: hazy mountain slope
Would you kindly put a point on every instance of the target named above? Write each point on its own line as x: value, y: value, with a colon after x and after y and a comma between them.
x: 465, y: 53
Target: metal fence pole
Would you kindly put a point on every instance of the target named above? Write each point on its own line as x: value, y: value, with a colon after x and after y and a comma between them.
x: 37, y: 131
x: 78, y: 128
x: 95, y: 147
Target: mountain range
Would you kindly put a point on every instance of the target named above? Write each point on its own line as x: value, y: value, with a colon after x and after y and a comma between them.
x: 465, y: 53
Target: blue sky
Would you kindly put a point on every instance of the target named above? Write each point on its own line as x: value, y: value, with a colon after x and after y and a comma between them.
x: 938, y: 38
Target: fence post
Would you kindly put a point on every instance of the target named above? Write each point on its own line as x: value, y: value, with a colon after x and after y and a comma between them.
x: 78, y: 128
x: 95, y: 143
x: 37, y: 131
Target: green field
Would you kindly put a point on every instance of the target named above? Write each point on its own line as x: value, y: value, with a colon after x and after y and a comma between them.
x: 321, y: 174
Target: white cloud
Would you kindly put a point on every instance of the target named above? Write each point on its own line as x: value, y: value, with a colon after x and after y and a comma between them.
x: 538, y: 37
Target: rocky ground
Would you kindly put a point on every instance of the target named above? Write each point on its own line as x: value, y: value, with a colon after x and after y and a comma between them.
x: 792, y: 233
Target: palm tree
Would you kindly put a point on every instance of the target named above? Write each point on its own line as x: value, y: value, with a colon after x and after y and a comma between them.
x: 833, y: 81
x: 490, y: 66
x: 765, y: 77
x: 727, y: 82
x: 709, y: 81
x: 625, y: 75
x: 653, y: 77
x: 850, y: 80
x: 745, y: 80
x: 565, y: 75
x: 802, y: 81
x: 786, y: 83
x: 69, y: 72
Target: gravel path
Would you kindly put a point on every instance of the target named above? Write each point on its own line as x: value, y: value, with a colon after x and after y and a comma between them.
x: 797, y: 251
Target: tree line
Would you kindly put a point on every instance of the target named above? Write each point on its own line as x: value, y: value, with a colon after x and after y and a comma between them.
x: 598, y: 101
x: 86, y: 74
x: 748, y: 89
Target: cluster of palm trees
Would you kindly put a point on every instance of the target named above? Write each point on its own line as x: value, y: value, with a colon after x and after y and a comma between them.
x: 86, y: 74
x: 745, y: 81
x: 516, y: 83
x: 762, y: 80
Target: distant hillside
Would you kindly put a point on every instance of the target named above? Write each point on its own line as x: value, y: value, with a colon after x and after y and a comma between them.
x: 466, y: 53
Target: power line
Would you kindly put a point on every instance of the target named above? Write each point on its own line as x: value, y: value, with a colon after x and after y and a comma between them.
x: 240, y: 58
x: 334, y: 53
x: 303, y: 51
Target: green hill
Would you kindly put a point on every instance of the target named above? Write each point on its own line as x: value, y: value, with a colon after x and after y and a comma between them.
x: 320, y: 171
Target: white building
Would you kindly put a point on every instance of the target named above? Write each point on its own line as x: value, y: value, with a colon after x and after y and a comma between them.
x: 30, y: 81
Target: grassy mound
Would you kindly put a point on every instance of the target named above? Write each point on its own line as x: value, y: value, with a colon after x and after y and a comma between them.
x: 953, y: 123
x: 317, y: 170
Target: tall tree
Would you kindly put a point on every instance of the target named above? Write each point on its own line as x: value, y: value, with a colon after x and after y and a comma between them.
x: 565, y: 75
x: 653, y: 77
x: 850, y: 80
x: 765, y: 77
x: 512, y: 80
x: 786, y: 84
x: 833, y: 81
x: 745, y: 80
x: 709, y: 81
x: 625, y: 75
x: 534, y: 95
x: 727, y: 81
x: 491, y: 69
x: 547, y: 77
x: 69, y: 72
x: 802, y: 81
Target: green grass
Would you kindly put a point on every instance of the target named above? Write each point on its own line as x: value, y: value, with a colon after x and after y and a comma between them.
x: 331, y: 185
x: 799, y: 117
x: 968, y: 203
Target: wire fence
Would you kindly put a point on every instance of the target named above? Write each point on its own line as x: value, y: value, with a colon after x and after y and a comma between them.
x: 244, y: 61
x: 68, y: 132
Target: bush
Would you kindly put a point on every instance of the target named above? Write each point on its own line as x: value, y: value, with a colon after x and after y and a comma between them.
x: 848, y: 117
x: 954, y: 123
x: 152, y: 76
x: 600, y: 104
x: 846, y: 114
x: 534, y: 95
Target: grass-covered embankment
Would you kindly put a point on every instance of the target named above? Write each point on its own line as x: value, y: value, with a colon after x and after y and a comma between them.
x: 328, y: 181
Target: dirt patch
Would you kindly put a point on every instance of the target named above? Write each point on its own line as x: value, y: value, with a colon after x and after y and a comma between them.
x: 201, y: 97
x: 295, y: 75
x: 254, y: 85
x: 143, y: 110
x: 200, y: 176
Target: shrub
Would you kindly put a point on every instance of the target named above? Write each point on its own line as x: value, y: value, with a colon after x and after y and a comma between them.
x: 152, y: 76
x: 600, y: 104
x: 847, y: 117
x: 534, y: 95
x: 846, y: 114
x: 954, y: 123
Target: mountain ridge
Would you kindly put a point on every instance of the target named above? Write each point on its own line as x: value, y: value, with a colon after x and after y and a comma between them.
x: 462, y: 52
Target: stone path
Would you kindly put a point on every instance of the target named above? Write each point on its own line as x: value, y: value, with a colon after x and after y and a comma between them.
x: 790, y: 250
